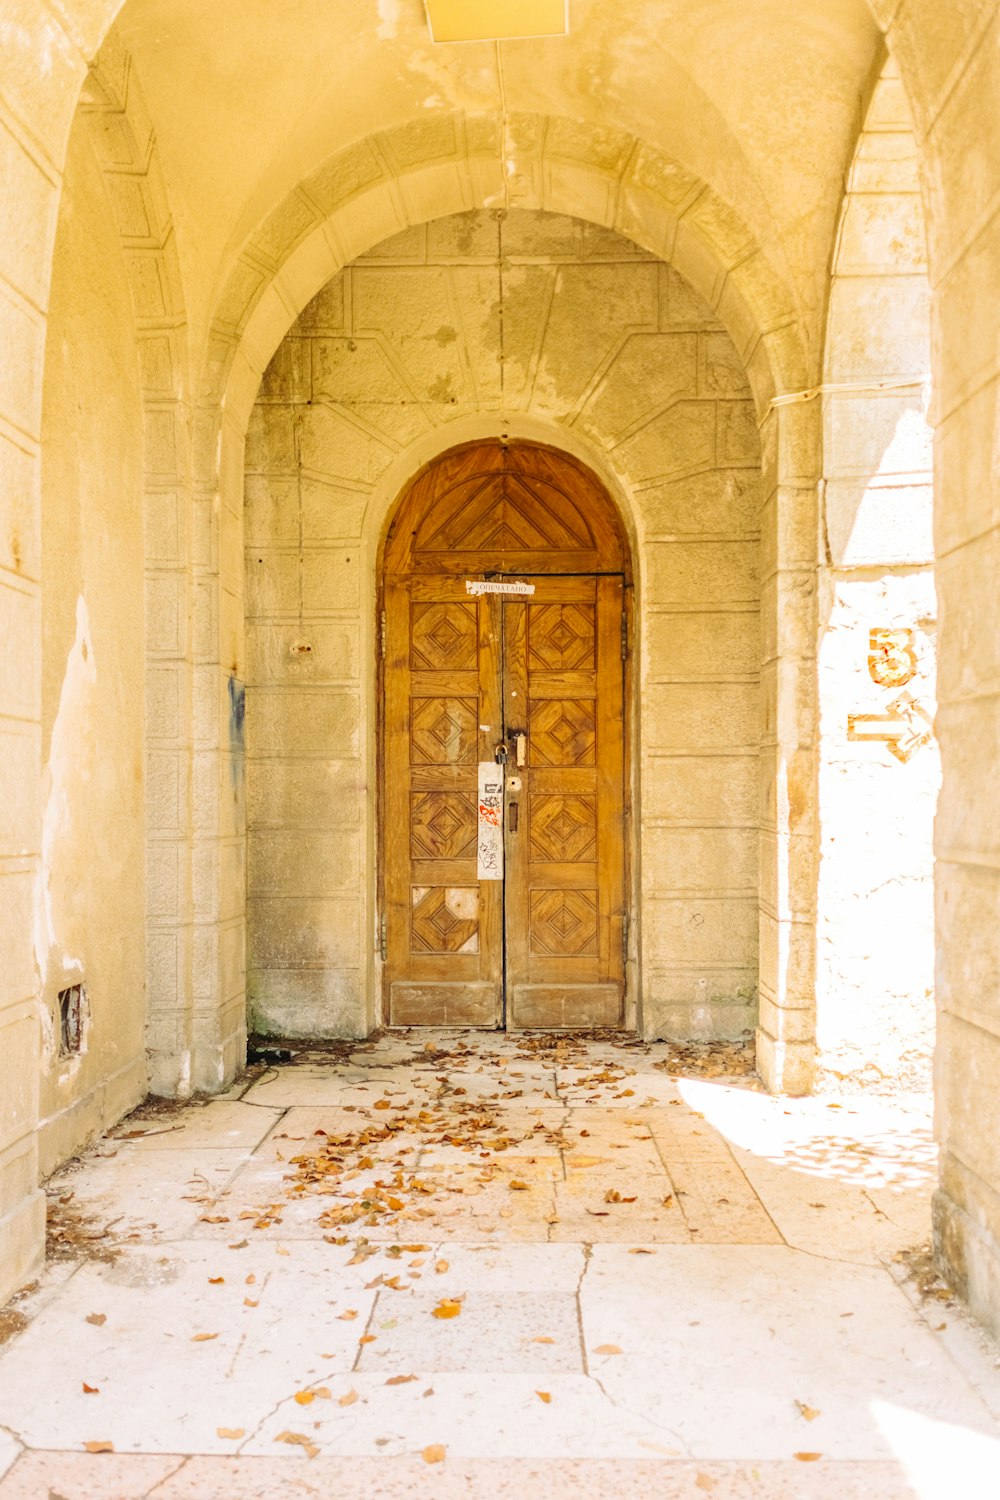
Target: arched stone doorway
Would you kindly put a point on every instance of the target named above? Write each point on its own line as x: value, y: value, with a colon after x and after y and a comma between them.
x: 505, y: 588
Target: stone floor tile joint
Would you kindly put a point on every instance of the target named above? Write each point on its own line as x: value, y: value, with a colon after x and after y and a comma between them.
x: 588, y: 1251
x: 367, y: 1332
x: 158, y: 1484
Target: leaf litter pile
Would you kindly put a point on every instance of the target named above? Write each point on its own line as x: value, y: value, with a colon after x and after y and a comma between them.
x: 367, y: 1166
x: 377, y: 1170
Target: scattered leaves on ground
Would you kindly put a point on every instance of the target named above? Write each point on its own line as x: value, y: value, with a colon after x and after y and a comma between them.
x: 434, y: 1453
x: 100, y: 1445
x: 448, y: 1307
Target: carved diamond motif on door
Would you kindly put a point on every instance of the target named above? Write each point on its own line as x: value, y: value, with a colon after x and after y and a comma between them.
x: 563, y: 828
x: 444, y: 919
x: 560, y: 636
x: 563, y: 923
x: 443, y: 825
x: 444, y: 637
x: 443, y: 731
x: 562, y: 732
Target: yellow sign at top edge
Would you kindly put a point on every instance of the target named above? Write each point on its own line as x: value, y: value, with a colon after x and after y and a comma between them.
x: 496, y: 20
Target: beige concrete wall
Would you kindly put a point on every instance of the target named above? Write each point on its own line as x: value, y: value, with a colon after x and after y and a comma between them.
x: 949, y: 56
x: 609, y: 351
x: 90, y: 906
x: 877, y: 798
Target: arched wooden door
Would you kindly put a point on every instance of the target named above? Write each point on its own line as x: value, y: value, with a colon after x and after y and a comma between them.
x: 503, y: 805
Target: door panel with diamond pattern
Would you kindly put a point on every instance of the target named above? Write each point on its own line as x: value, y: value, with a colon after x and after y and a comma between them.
x: 563, y: 683
x: 543, y: 947
x: 444, y: 928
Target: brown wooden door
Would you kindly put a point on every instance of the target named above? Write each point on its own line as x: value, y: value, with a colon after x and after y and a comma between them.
x: 528, y: 933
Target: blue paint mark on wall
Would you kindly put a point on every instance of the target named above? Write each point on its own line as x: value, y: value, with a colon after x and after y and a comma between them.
x: 237, y: 715
x: 237, y: 712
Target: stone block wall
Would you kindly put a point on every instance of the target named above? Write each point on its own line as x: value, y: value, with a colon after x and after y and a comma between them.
x: 878, y: 627
x: 537, y: 324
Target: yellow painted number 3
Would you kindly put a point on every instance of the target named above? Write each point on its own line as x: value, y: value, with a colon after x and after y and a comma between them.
x: 892, y: 657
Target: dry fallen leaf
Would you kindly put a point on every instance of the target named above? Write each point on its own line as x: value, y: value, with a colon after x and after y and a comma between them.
x: 90, y: 1390
x: 203, y: 1338
x: 216, y: 1280
x: 433, y: 1454
x: 517, y: 1186
x: 400, y: 1379
x: 298, y: 1440
x: 448, y: 1307
x: 348, y: 1316
x: 230, y: 1432
x: 305, y: 1398
x: 440, y: 1267
x: 214, y: 1219
x: 543, y: 1339
x: 807, y: 1458
x: 249, y: 1302
x: 368, y: 1338
x: 544, y: 1396
x: 705, y: 1482
x: 102, y: 1446
x: 809, y: 1412
x: 607, y: 1349
x: 640, y: 1251
x: 349, y: 1399
x: 98, y: 1319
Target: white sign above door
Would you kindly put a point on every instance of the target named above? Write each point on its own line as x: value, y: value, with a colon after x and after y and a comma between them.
x: 494, y: 587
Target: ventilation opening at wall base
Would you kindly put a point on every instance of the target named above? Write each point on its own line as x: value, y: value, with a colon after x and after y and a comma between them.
x: 71, y: 1003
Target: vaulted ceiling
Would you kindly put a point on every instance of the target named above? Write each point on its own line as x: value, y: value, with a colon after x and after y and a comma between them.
x: 761, y: 100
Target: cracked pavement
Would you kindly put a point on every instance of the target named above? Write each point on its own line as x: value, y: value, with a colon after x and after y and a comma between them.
x: 666, y: 1282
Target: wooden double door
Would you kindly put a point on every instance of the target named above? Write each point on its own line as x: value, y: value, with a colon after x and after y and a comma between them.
x: 503, y: 805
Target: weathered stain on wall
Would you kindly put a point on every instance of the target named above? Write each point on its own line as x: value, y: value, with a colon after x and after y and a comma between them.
x: 90, y: 896
x: 578, y: 330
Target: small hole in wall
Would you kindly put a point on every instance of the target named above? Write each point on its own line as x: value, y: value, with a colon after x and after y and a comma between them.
x: 70, y: 1020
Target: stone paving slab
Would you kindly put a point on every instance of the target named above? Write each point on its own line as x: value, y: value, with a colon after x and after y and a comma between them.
x: 37, y: 1476
x: 690, y: 1342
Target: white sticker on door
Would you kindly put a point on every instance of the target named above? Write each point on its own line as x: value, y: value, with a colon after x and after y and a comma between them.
x: 490, y: 850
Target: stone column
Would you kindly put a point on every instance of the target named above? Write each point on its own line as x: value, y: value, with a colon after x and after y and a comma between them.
x: 786, y: 1034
